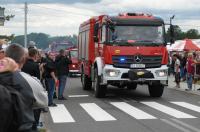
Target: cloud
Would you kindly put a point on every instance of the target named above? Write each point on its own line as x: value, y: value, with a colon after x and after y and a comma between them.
x: 48, y: 1
x: 64, y: 19
x: 53, y: 19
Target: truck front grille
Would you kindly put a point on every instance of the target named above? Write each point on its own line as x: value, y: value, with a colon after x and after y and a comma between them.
x: 149, y: 61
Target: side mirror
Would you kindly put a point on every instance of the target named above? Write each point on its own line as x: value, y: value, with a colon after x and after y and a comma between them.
x: 171, y: 34
x: 96, y: 29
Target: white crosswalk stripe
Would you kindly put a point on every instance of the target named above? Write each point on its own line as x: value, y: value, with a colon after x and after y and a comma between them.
x: 188, y: 106
x: 97, y: 113
x: 168, y: 110
x: 132, y: 111
x: 60, y: 114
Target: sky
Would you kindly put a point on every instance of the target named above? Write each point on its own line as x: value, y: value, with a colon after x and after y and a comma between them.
x: 63, y: 17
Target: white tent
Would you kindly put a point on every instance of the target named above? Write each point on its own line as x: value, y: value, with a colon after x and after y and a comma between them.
x: 185, y: 45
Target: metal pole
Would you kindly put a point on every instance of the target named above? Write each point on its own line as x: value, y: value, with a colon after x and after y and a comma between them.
x: 25, y: 24
x: 171, y: 19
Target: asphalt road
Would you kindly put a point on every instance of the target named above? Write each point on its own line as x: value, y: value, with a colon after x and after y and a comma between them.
x: 124, y: 111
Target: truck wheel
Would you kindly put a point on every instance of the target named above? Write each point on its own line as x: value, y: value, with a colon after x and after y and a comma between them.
x: 131, y: 86
x: 156, y: 90
x: 70, y: 74
x: 99, y: 90
x: 86, y: 82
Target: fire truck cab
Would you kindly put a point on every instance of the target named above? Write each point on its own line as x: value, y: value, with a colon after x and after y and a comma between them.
x: 123, y: 51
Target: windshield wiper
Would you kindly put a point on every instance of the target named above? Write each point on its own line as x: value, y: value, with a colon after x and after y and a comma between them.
x: 148, y: 42
x: 120, y: 42
x: 134, y: 42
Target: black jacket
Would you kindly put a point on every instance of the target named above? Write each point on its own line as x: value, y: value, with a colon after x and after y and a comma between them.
x: 62, y: 65
x: 48, y: 68
x: 28, y: 98
x: 32, y: 68
x: 20, y: 84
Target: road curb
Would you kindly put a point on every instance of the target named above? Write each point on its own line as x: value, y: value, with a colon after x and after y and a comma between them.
x: 183, y: 90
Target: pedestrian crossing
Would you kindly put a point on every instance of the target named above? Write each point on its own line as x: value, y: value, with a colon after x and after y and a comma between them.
x: 61, y: 114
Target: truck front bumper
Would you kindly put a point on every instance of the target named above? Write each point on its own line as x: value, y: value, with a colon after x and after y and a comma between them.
x: 111, y: 73
x: 74, y: 71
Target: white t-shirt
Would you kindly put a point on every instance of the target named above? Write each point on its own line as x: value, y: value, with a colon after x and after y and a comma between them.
x: 177, y: 63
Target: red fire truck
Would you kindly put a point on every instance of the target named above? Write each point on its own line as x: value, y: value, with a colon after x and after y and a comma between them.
x: 124, y: 51
x: 74, y: 67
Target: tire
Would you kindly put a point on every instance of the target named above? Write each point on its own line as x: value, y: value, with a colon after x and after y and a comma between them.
x: 70, y: 74
x: 86, y: 82
x: 99, y: 90
x: 131, y: 86
x: 156, y: 90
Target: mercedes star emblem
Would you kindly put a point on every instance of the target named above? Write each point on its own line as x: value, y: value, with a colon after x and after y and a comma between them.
x: 138, y: 58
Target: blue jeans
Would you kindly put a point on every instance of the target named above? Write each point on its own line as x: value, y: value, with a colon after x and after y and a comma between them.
x: 182, y: 72
x: 189, y: 80
x: 50, y: 89
x: 62, y: 82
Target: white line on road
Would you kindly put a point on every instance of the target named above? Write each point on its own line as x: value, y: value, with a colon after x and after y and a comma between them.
x: 60, y: 114
x: 175, y: 125
x: 97, y: 113
x: 132, y: 111
x: 168, y: 110
x: 188, y: 106
x: 186, y: 125
x: 74, y: 96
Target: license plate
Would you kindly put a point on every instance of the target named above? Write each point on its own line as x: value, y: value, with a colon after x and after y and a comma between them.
x: 137, y: 66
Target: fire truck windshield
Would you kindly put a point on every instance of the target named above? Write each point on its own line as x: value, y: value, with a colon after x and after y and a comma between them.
x: 137, y: 35
x: 74, y: 53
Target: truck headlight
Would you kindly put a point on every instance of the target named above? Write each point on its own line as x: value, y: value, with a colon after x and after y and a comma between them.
x: 73, y: 66
x: 162, y: 73
x: 112, y: 73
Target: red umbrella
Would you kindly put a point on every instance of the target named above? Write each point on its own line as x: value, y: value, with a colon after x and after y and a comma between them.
x: 184, y: 45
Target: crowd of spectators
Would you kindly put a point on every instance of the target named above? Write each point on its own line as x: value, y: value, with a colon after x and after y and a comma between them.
x: 184, y: 67
x: 33, y: 77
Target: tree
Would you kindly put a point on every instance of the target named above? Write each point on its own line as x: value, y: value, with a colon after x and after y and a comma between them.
x: 180, y: 35
x: 192, y: 34
x: 43, y: 40
x: 4, y: 18
x: 8, y: 38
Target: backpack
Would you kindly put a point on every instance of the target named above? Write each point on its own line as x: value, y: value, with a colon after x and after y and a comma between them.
x: 11, y: 107
x: 6, y: 115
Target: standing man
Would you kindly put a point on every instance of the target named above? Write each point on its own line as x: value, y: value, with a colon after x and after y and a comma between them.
x: 62, y: 68
x: 50, y: 78
x: 177, y: 70
x: 32, y: 68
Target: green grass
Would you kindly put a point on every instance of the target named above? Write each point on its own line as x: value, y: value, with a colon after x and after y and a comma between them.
x: 42, y: 130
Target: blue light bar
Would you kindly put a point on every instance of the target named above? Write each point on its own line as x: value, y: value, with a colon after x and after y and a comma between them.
x: 122, y: 59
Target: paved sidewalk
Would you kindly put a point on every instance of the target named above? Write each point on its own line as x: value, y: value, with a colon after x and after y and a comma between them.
x: 183, y: 86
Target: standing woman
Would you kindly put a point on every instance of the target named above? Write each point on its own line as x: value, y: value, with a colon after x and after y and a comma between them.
x: 190, y: 71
